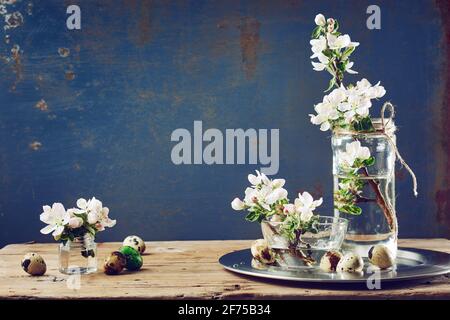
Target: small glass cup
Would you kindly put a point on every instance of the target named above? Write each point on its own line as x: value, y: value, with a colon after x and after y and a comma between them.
x: 78, y: 256
x: 310, y: 247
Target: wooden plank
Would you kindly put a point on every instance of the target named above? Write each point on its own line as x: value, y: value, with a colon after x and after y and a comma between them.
x: 189, y: 270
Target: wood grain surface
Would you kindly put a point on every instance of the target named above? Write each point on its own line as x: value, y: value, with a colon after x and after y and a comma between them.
x: 189, y: 270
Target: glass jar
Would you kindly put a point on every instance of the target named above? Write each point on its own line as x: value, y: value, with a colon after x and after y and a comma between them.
x: 369, y: 191
x: 78, y: 256
x: 307, y: 250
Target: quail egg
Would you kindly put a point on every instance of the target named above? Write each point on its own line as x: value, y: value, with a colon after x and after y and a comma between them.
x: 133, y: 257
x: 256, y: 264
x: 34, y: 264
x: 350, y: 262
x: 135, y: 242
x: 381, y: 256
x: 115, y: 263
x: 330, y: 260
x: 261, y: 252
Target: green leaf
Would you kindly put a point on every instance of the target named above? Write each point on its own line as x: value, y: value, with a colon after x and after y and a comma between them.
x: 336, y: 25
x: 347, y: 53
x: 316, y: 32
x: 331, y: 85
x: 369, y: 162
x: 252, y: 216
x: 328, y: 53
x: 341, y: 65
x: 350, y: 209
x: 365, y: 124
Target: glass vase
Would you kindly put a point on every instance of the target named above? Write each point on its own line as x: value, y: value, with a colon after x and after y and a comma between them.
x: 375, y: 222
x: 78, y: 256
x: 307, y: 250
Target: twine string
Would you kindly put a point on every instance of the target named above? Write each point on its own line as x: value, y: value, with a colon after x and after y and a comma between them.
x: 385, y: 131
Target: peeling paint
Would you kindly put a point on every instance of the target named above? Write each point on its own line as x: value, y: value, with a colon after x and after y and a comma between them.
x: 30, y: 7
x: 69, y: 75
x: 41, y: 105
x: 17, y: 67
x: 64, y: 52
x: 35, y: 145
x: 13, y: 20
x: 249, y: 40
x: 141, y: 34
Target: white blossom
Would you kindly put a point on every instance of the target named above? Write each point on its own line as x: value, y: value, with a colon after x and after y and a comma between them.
x: 96, y: 214
x: 327, y: 110
x: 304, y: 206
x: 56, y: 217
x: 264, y: 192
x: 238, y: 204
x: 320, y: 20
x: 322, y: 64
x: 353, y: 151
x: 260, y: 178
x: 317, y: 46
x: 346, y: 104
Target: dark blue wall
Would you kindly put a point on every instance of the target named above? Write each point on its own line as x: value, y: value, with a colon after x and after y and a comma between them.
x: 140, y: 69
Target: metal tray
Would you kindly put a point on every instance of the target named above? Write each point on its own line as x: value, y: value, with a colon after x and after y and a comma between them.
x: 412, y: 264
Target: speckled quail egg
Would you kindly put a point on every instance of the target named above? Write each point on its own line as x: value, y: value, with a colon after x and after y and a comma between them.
x: 34, y: 264
x: 115, y: 263
x: 256, y: 264
x: 261, y: 252
x: 350, y: 262
x: 133, y: 257
x: 330, y: 260
x: 135, y: 242
x: 381, y: 256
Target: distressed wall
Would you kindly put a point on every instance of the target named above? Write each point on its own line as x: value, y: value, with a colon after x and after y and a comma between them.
x: 91, y: 112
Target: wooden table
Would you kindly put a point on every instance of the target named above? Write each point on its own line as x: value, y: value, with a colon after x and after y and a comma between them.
x: 189, y: 270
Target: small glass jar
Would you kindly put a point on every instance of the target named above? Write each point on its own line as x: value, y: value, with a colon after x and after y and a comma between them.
x: 307, y: 250
x: 374, y: 222
x: 78, y: 256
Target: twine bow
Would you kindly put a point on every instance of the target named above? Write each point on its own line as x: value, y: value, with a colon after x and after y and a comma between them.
x: 385, y: 130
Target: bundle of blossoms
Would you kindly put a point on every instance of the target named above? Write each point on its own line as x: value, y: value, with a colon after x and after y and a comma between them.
x: 89, y: 217
x: 346, y: 107
x: 267, y: 200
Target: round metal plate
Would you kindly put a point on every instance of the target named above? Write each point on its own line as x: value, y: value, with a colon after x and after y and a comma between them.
x: 412, y: 264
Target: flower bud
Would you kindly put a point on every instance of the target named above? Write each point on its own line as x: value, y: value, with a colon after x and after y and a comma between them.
x: 320, y: 20
x: 330, y: 22
x: 237, y: 204
x: 75, y: 222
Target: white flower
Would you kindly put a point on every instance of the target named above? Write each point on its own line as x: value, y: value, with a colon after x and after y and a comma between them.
x: 340, y: 42
x: 305, y: 205
x: 104, y: 220
x: 275, y: 195
x: 96, y: 214
x: 56, y: 217
x: 264, y: 197
x: 320, y: 20
x: 75, y: 222
x: 317, y: 46
x: 353, y: 151
x: 289, y: 208
x: 348, y: 68
x: 277, y: 183
x: 327, y: 110
x: 237, y: 204
x: 322, y: 64
x: 258, y: 179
